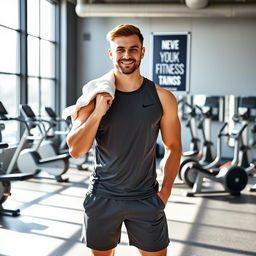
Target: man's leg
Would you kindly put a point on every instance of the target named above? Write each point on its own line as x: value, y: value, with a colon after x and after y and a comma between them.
x: 103, y: 253
x: 146, y: 226
x: 102, y: 225
x: 159, y: 253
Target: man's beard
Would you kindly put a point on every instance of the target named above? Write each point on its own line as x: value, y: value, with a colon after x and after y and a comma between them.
x: 128, y: 71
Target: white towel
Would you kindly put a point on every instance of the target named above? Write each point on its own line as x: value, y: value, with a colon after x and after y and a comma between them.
x: 105, y: 83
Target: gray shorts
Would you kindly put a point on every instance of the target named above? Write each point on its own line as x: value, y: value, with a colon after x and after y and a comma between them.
x: 144, y: 219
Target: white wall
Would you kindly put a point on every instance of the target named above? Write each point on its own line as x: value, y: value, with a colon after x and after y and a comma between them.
x: 223, y: 51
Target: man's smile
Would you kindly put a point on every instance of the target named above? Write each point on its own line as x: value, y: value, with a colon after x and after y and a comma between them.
x: 127, y: 62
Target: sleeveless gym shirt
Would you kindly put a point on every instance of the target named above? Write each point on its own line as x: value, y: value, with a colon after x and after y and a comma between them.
x: 125, y: 145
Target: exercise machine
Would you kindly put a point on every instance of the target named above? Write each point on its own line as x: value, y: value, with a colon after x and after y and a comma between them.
x: 5, y: 186
x: 244, y: 116
x: 28, y: 160
x: 191, y: 124
x: 6, y: 179
x: 207, y: 152
x: 188, y: 174
x: 49, y: 148
x: 232, y: 177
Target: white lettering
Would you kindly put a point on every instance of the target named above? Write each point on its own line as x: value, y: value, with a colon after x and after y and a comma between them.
x: 170, y: 44
x: 170, y: 69
x: 170, y: 80
x: 169, y: 57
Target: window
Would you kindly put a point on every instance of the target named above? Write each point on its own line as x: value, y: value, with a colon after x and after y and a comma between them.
x: 9, y: 13
x: 9, y: 64
x: 27, y: 74
x: 41, y: 55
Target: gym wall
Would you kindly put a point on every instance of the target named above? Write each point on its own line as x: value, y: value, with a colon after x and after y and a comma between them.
x: 223, y: 55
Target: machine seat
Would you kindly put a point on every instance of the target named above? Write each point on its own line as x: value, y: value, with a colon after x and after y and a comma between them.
x: 212, y: 172
x: 48, y: 137
x: 3, y: 145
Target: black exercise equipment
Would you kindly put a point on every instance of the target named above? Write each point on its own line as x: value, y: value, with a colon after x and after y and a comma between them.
x: 28, y: 160
x: 51, y: 145
x: 231, y: 176
x: 5, y: 184
x: 246, y: 113
x: 206, y: 154
x: 188, y: 174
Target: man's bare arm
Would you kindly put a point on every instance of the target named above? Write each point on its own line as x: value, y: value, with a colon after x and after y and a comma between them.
x: 85, y: 126
x: 171, y: 136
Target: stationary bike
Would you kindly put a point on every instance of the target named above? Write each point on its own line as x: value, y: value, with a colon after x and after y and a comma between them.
x: 188, y: 175
x: 246, y: 106
x: 28, y: 160
x: 231, y: 176
x: 49, y: 148
x: 207, y: 152
x: 6, y: 179
x: 5, y: 186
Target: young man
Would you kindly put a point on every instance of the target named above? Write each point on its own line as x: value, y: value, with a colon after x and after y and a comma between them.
x: 123, y: 187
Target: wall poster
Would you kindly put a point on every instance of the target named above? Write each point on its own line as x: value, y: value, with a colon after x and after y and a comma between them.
x: 170, y: 60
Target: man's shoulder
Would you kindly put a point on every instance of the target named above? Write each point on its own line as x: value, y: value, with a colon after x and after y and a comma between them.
x: 166, y: 97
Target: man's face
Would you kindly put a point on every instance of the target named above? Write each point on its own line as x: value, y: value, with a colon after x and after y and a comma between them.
x: 126, y: 53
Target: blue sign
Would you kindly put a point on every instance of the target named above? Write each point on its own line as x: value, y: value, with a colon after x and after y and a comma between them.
x: 170, y: 60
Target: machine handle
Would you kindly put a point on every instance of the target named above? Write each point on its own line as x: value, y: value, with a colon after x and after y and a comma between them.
x: 221, y: 130
x: 3, y: 145
x: 241, y: 131
x: 201, y: 122
x: 41, y: 127
x: 189, y: 105
x: 51, y: 124
x: 198, y: 107
x: 22, y: 121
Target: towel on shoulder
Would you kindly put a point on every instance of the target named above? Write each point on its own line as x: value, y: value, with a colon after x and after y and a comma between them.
x: 105, y: 83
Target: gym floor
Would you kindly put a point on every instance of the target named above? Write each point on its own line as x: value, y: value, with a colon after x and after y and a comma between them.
x: 52, y: 213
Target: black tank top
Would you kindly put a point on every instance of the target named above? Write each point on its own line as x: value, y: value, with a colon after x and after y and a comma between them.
x: 125, y: 145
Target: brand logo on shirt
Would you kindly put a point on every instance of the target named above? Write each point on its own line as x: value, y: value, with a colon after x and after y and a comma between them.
x: 147, y: 105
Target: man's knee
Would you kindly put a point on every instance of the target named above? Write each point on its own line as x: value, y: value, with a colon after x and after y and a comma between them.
x: 103, y: 253
x: 158, y: 253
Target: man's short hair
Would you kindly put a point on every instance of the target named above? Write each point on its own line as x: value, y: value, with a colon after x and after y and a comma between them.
x: 124, y: 30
